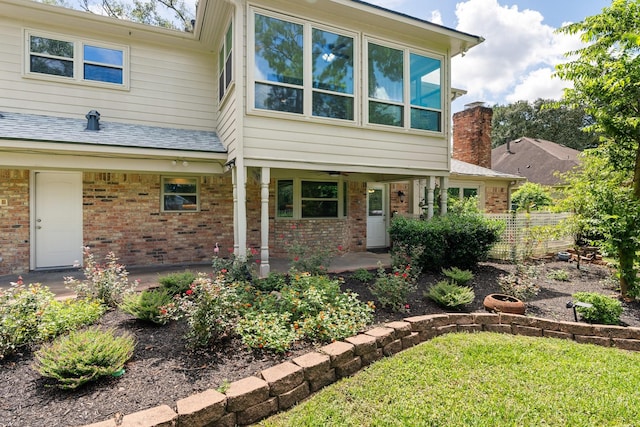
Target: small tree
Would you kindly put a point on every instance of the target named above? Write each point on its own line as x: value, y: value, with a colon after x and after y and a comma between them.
x: 531, y: 197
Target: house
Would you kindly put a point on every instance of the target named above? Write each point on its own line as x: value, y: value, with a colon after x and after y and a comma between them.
x: 271, y: 121
x: 538, y: 160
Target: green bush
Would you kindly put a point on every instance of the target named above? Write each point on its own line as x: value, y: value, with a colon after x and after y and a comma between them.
x: 209, y: 307
x: 63, y: 316
x: 234, y: 269
x: 362, y: 275
x: 147, y: 305
x: 108, y: 282
x: 269, y: 330
x: 21, y: 310
x: 560, y: 275
x: 273, y: 282
x: 604, y: 310
x: 457, y: 276
x: 83, y: 356
x: 177, y: 283
x: 392, y: 289
x: 455, y: 240
x: 450, y: 295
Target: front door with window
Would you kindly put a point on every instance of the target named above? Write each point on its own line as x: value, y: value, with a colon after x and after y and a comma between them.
x: 376, y: 216
x: 57, y: 219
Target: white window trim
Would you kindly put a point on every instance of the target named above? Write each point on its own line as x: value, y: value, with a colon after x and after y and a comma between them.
x: 297, y: 199
x: 406, y: 104
x: 307, y: 85
x: 78, y: 60
x: 228, y: 88
x: 162, y: 194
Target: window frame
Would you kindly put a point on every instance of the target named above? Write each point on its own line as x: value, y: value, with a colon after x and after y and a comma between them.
x: 341, y: 199
x: 406, y: 105
x: 78, y: 60
x: 163, y: 193
x: 306, y: 87
x: 226, y: 69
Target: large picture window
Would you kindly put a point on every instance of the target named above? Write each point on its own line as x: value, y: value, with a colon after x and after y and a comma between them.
x: 180, y: 194
x: 310, y: 199
x: 281, y: 81
x: 76, y: 60
x: 396, y: 75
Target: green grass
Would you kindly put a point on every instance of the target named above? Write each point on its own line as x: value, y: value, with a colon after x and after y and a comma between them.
x: 483, y: 379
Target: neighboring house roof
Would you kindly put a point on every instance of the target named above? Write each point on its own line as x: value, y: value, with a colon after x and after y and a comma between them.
x: 32, y: 127
x: 537, y: 160
x: 461, y: 168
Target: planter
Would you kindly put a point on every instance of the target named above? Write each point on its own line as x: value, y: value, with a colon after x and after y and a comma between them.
x: 501, y: 303
x: 563, y: 256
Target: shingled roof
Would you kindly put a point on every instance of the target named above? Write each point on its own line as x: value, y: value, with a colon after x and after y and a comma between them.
x: 461, y: 168
x: 32, y: 127
x: 538, y: 160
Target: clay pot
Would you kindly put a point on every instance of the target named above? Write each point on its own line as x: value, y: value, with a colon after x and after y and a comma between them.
x: 501, y: 303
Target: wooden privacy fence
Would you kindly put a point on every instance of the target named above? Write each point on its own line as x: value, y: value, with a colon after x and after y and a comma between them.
x: 526, y: 235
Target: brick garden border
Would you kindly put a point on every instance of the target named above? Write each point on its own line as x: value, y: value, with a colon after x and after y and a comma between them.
x: 280, y: 387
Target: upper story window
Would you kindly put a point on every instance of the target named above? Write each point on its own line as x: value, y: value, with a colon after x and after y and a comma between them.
x: 225, y: 63
x: 53, y: 56
x: 282, y: 82
x: 404, y: 88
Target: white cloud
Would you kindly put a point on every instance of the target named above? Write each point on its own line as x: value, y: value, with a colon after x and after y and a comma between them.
x: 517, y: 58
x: 436, y: 17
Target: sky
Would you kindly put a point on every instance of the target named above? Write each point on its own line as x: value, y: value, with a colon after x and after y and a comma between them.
x: 517, y: 59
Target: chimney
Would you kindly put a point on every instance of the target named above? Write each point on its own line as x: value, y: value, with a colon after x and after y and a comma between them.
x: 472, y: 134
x: 93, y: 120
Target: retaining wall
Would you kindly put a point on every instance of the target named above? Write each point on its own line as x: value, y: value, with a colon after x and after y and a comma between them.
x: 280, y: 387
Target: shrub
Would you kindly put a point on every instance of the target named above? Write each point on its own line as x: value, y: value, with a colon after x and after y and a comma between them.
x: 455, y: 240
x: 83, y: 356
x: 560, y: 275
x: 209, y: 306
x: 63, y: 316
x: 268, y: 330
x: 21, y: 310
x: 521, y: 284
x: 392, y: 289
x: 234, y: 269
x: 273, y: 282
x: 362, y: 275
x: 343, y: 317
x: 457, y: 276
x: 450, y: 295
x: 146, y: 305
x: 177, y: 283
x: 605, y: 310
x: 107, y: 283
x: 304, y: 257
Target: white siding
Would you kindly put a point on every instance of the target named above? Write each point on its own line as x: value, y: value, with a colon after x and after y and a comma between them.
x: 168, y: 87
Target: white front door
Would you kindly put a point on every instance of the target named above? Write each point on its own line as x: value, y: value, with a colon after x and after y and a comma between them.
x: 376, y: 216
x: 57, y: 219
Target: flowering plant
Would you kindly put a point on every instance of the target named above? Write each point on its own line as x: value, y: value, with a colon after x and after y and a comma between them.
x: 392, y: 289
x: 235, y: 269
x: 107, y: 282
x: 304, y: 257
x: 209, y: 307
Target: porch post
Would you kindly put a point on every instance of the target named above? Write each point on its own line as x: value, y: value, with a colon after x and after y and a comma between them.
x: 234, y: 186
x: 265, y: 177
x: 444, y: 194
x: 431, y: 185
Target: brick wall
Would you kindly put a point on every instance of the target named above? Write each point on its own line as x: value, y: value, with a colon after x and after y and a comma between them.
x: 122, y: 214
x: 14, y: 221
x: 472, y: 136
x: 496, y: 198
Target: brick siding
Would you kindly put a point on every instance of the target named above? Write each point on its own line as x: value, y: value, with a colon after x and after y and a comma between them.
x: 14, y: 221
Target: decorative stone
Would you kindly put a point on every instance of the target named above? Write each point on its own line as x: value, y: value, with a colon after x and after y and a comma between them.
x: 246, y: 393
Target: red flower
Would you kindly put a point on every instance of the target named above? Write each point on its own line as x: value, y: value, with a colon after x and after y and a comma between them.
x: 397, y: 273
x: 408, y: 267
x: 404, y: 275
x: 223, y: 271
x: 340, y: 248
x: 296, y: 258
x: 258, y: 261
x: 189, y: 291
x: 407, y: 306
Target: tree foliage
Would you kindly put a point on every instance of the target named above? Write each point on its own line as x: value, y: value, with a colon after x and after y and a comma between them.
x: 161, y: 13
x: 531, y: 197
x: 543, y: 119
x: 606, y: 81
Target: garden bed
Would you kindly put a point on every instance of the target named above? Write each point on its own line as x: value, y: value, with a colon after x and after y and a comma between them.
x: 163, y: 371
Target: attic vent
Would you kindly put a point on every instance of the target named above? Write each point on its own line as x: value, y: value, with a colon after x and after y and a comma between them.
x: 93, y: 120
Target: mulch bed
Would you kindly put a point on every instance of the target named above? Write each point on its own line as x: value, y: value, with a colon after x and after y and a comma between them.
x: 163, y: 371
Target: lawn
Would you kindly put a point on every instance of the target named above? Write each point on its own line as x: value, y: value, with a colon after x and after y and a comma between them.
x: 483, y: 379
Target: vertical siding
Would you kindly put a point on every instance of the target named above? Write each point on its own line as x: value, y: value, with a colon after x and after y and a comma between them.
x: 168, y: 86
